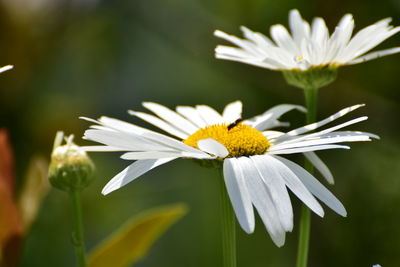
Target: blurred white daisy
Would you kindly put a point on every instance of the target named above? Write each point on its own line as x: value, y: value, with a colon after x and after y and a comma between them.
x: 308, y: 57
x: 254, y: 173
x: 5, y: 68
x: 308, y: 46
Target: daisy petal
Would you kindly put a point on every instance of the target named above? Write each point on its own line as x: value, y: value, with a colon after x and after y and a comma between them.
x: 281, y: 36
x: 262, y: 201
x: 374, y: 55
x: 265, y: 63
x: 192, y: 115
x: 171, y: 117
x: 159, y: 123
x: 277, y: 188
x: 300, y: 29
x: 102, y: 149
x: 139, y: 155
x: 246, y: 45
x: 320, y: 166
x: 315, y: 140
x: 276, y: 151
x: 155, y: 137
x: 238, y: 194
x: 315, y: 187
x: 313, y: 126
x: 256, y: 37
x: 209, y: 115
x: 6, y: 68
x: 268, y: 118
x: 213, y: 147
x: 295, y: 185
x: 122, y: 140
x: 271, y: 135
x: 132, y: 172
x: 232, y: 112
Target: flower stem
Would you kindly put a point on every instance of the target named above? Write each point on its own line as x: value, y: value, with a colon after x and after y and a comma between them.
x: 228, y: 225
x: 77, y: 234
x: 310, y: 95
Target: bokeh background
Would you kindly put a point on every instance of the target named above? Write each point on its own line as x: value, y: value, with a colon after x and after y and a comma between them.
x: 90, y: 58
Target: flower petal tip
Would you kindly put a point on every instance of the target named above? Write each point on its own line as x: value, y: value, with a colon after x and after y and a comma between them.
x: 6, y: 68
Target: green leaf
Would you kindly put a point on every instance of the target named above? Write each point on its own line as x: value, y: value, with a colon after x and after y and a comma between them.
x: 132, y: 241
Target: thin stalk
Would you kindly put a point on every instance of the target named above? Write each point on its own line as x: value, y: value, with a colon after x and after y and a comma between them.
x: 228, y: 225
x: 311, y: 96
x: 77, y: 234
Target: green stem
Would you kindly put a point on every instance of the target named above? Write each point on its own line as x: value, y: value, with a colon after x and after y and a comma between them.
x: 228, y: 225
x: 77, y: 234
x: 310, y: 95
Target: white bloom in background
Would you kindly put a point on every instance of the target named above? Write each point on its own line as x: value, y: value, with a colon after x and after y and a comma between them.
x: 254, y: 173
x: 308, y: 46
x: 5, y: 68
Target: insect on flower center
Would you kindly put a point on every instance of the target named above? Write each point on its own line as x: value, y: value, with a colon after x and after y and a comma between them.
x: 239, y: 139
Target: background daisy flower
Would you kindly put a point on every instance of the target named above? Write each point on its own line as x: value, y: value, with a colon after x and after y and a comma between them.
x: 254, y: 173
x: 308, y: 46
x: 308, y: 56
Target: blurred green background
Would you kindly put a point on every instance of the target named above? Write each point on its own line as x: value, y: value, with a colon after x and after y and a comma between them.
x: 90, y: 58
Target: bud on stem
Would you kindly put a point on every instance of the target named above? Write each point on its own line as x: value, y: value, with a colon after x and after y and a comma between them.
x: 70, y: 167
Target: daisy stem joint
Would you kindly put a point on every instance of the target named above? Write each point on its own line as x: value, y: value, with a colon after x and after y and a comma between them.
x: 315, y: 77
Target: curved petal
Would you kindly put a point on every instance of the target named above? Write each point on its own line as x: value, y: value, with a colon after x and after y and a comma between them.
x: 262, y: 201
x: 300, y: 28
x: 6, y: 68
x: 295, y: 185
x: 209, y: 115
x: 315, y: 187
x: 171, y: 117
x: 320, y: 166
x: 213, y: 147
x: 269, y: 117
x: 232, y: 112
x: 313, y: 126
x: 239, y: 194
x: 374, y: 55
x: 159, y: 123
x: 277, y: 188
x: 132, y: 172
x: 192, y: 115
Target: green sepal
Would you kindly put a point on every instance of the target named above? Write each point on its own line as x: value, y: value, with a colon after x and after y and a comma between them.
x: 313, y: 78
x: 209, y: 163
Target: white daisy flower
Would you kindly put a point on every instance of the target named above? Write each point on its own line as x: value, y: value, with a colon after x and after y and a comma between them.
x: 254, y: 172
x: 308, y: 47
x: 5, y: 68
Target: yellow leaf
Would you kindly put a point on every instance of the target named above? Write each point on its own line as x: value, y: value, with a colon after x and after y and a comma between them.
x: 132, y: 241
x: 34, y: 189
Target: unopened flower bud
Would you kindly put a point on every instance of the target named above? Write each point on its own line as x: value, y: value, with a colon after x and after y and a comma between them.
x: 70, y: 167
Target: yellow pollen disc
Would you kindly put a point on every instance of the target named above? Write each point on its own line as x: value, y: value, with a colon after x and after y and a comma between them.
x: 240, y: 139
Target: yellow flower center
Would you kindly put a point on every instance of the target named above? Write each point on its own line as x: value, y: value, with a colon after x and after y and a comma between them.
x: 240, y: 139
